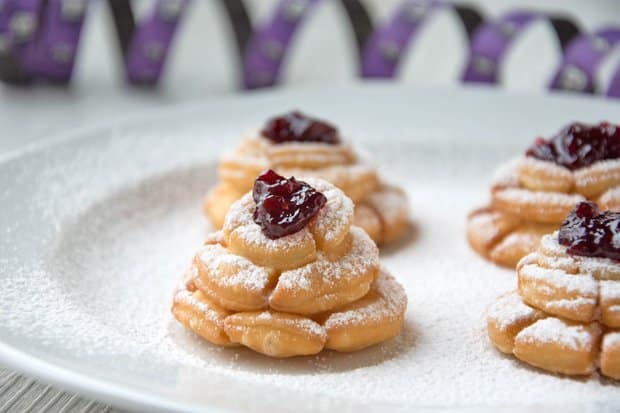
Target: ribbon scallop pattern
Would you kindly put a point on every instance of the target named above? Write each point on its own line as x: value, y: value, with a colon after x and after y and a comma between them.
x: 39, y: 40
x: 492, y: 40
x: 582, y: 58
x: 388, y: 43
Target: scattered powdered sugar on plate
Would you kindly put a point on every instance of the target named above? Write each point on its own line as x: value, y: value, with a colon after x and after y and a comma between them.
x: 94, y: 242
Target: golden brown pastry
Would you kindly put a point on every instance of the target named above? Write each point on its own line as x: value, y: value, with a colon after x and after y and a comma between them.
x: 532, y: 195
x: 575, y: 273
x: 565, y: 315
x: 553, y: 343
x: 289, y: 275
x: 294, y: 144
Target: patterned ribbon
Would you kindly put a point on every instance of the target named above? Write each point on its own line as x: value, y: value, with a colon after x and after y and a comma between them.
x: 388, y: 43
x: 582, y: 58
x: 39, y: 40
x: 493, y: 39
x: 614, y: 86
x: 268, y: 45
x: 145, y: 46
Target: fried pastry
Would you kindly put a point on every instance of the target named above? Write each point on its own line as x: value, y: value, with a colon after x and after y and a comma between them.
x: 290, y: 275
x: 532, y: 195
x: 575, y: 274
x: 553, y: 343
x: 565, y: 315
x: 199, y: 314
x: 295, y: 144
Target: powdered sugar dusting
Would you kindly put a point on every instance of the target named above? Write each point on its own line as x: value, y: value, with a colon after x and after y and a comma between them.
x: 611, y: 196
x: 609, y: 169
x: 570, y: 303
x: 187, y: 298
x: 537, y: 198
x: 550, y: 245
x: 301, y: 323
x: 233, y: 270
x: 389, y: 201
x: 510, y: 309
x: 554, y: 255
x: 578, y: 283
x: 610, y: 290
x: 554, y: 330
x: 362, y: 256
x: 506, y: 174
x: 391, y: 303
x: 484, y: 221
x: 239, y: 219
x: 611, y: 341
x: 336, y: 216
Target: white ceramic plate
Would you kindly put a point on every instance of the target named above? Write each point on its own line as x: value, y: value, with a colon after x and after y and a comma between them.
x: 98, y: 225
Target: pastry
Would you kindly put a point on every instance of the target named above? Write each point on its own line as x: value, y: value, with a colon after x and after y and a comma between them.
x: 566, y: 313
x: 575, y: 273
x: 288, y: 275
x: 294, y: 144
x: 553, y: 343
x: 532, y: 195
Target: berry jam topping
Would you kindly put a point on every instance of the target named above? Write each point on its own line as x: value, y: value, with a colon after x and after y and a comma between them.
x: 579, y: 145
x: 297, y: 127
x: 586, y: 231
x: 284, y: 206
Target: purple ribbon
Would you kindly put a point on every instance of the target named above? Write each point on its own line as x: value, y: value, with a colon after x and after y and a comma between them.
x: 388, y: 43
x: 268, y: 46
x: 18, y: 31
x: 384, y: 49
x: 42, y: 36
x: 151, y: 40
x: 53, y: 55
x: 490, y: 44
x: 582, y: 58
x: 614, y: 86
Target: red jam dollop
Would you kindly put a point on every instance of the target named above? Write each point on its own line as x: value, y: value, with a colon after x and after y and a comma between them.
x: 591, y: 233
x: 579, y: 145
x: 284, y: 206
x: 297, y: 127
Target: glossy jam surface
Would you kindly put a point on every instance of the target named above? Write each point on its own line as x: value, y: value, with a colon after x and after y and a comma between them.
x: 579, y: 145
x: 591, y: 233
x: 284, y: 206
x: 297, y: 127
